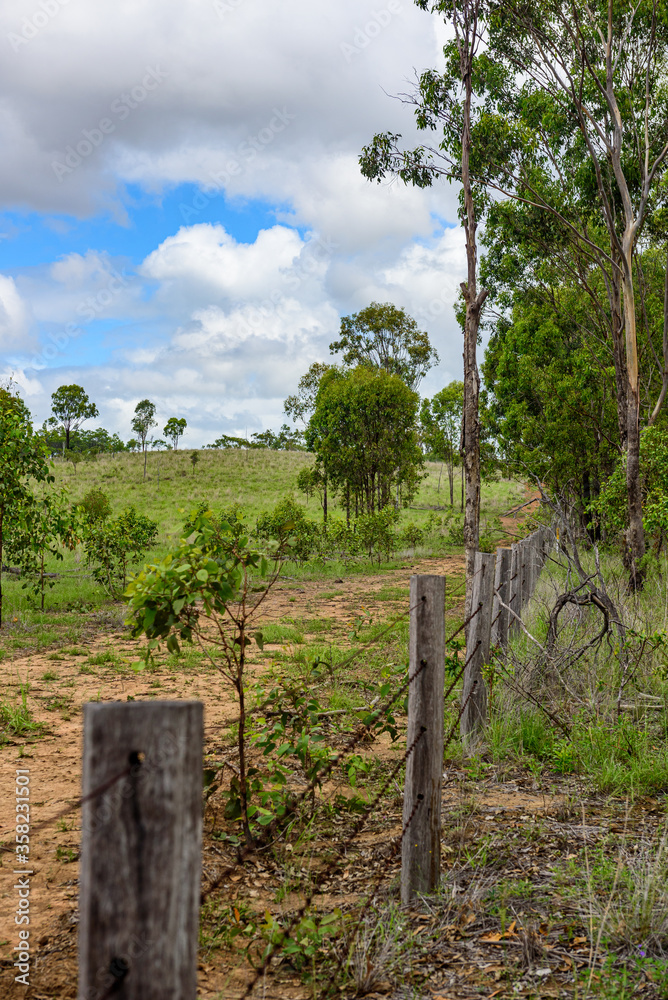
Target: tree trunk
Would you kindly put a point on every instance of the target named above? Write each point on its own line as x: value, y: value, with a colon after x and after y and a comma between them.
x: 451, y: 477
x: 474, y: 301
x: 619, y: 356
x: 635, y: 535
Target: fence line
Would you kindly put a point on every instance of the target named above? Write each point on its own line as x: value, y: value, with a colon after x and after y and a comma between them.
x: 502, y: 587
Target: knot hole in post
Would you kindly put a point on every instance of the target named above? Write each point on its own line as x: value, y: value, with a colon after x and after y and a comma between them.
x: 136, y: 758
x: 119, y: 969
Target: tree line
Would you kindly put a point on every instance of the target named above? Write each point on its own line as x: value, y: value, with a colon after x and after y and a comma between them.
x: 552, y: 118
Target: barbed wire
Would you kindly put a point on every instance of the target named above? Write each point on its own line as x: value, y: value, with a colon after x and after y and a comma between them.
x: 300, y: 912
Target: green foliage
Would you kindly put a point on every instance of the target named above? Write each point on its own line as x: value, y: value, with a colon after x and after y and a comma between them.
x: 363, y: 434
x: 42, y: 524
x: 285, y: 440
x: 288, y: 523
x: 143, y: 420
x: 412, y: 535
x: 306, y: 941
x: 376, y: 532
x: 112, y: 545
x: 174, y: 429
x: 302, y: 403
x: 95, y: 505
x: 610, y: 506
x: 71, y: 406
x: 549, y: 403
x: 21, y: 460
x: 201, y: 575
x: 382, y: 336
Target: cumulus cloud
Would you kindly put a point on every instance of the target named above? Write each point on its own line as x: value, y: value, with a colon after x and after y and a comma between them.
x: 14, y: 317
x: 246, y: 98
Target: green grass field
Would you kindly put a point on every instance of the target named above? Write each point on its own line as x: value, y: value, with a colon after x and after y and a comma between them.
x: 257, y: 479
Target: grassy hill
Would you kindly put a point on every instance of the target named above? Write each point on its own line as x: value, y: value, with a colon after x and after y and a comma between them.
x: 257, y: 479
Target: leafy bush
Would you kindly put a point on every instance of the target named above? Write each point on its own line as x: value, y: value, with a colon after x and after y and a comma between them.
x: 376, y: 532
x: 95, y: 506
x: 112, y: 545
x: 343, y: 542
x: 412, y: 535
x: 288, y: 524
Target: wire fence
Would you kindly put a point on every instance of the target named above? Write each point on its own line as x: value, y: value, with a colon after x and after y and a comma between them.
x: 291, y: 811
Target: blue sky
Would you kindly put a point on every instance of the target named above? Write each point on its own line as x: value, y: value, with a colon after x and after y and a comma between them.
x: 182, y: 213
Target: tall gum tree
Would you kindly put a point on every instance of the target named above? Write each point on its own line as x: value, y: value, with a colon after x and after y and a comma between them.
x: 446, y: 102
x: 598, y: 70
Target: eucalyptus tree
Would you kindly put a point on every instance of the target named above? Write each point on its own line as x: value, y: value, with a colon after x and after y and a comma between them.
x: 445, y: 102
x: 142, y: 422
x: 364, y: 437
x: 174, y: 429
x: 568, y: 119
x: 383, y: 336
x: 589, y: 89
x: 70, y: 406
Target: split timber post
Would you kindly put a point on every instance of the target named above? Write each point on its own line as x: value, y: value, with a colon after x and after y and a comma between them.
x: 421, y: 844
x: 501, y: 615
x: 474, y: 695
x: 515, y: 592
x: 141, y: 850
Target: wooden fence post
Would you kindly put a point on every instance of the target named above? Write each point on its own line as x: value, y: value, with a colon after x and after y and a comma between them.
x: 141, y: 851
x: 474, y: 695
x: 501, y: 593
x: 515, y: 601
x: 421, y: 845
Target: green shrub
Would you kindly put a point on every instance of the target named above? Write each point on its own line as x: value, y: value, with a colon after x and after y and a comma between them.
x: 376, y: 532
x: 288, y: 524
x: 112, y: 545
x: 95, y: 506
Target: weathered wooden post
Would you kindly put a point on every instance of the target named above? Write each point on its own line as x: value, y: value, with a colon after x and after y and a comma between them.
x: 421, y: 845
x: 501, y: 615
x: 141, y: 851
x: 515, y: 601
x: 474, y: 694
x: 524, y: 572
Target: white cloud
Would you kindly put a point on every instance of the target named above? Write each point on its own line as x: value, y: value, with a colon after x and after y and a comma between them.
x: 246, y: 98
x: 206, y: 257
x: 14, y: 318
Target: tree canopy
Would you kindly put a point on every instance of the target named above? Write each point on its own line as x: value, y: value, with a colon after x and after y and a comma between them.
x: 363, y: 432
x: 382, y: 336
x: 70, y: 406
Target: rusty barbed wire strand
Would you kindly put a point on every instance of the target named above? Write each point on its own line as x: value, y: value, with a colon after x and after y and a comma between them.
x: 247, y: 851
x: 299, y: 914
x: 394, y: 848
x: 293, y: 806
